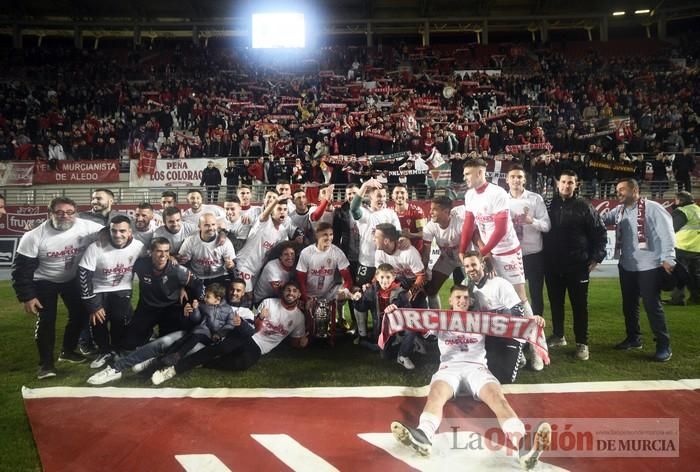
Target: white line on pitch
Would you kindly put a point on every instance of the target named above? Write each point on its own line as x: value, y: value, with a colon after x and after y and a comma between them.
x: 201, y: 463
x: 293, y: 454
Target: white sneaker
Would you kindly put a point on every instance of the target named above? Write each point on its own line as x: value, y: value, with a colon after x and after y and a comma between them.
x: 108, y: 374
x: 100, y: 361
x: 540, y: 443
x: 406, y: 362
x: 160, y: 376
x: 582, y: 353
x: 141, y: 366
x: 536, y: 361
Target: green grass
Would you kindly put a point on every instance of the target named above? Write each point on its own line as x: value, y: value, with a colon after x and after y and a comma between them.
x: 344, y: 365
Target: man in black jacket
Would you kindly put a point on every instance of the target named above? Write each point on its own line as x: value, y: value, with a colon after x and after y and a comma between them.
x: 211, y: 179
x: 232, y: 176
x: 572, y: 249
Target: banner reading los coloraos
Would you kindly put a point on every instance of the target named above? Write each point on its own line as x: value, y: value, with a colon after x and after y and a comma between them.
x: 173, y: 172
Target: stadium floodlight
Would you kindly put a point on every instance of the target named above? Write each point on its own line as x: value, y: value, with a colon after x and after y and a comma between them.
x: 642, y: 12
x: 278, y: 30
x: 618, y: 13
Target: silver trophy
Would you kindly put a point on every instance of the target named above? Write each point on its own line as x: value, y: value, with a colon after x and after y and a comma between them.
x: 322, y: 318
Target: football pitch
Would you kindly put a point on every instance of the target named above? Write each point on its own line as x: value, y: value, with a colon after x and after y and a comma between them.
x: 344, y: 365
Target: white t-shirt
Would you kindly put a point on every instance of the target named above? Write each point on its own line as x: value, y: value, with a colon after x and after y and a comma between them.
x: 302, y: 221
x: 530, y: 235
x: 193, y: 218
x: 244, y: 313
x: 447, y: 239
x: 271, y: 279
x: 320, y: 267
x: 58, y: 251
x: 238, y: 229
x: 366, y: 225
x: 206, y: 259
x: 252, y: 212
x: 461, y: 347
x: 262, y: 237
x: 113, y: 268
x: 326, y: 216
x: 406, y: 262
x: 496, y: 294
x: 178, y: 238
x: 146, y: 236
x: 484, y: 205
x: 280, y: 324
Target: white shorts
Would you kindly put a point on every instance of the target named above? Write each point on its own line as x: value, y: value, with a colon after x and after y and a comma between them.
x: 247, y: 277
x: 464, y: 377
x: 510, y: 267
x: 446, y: 265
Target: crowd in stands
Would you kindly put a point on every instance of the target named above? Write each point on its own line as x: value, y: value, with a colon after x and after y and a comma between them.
x: 584, y: 112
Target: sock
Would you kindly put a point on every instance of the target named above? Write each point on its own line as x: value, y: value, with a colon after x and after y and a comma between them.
x: 514, y: 430
x: 429, y: 423
x: 434, y: 301
x: 361, y: 323
x: 527, y: 308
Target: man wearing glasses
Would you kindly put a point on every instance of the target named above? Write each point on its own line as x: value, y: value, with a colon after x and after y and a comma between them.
x: 45, y: 267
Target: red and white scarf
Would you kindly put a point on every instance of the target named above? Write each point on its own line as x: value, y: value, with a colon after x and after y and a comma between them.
x: 641, y: 227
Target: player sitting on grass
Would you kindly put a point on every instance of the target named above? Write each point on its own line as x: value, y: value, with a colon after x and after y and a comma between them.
x: 142, y: 360
x: 277, y: 319
x: 386, y: 293
x: 215, y: 320
x: 463, y: 364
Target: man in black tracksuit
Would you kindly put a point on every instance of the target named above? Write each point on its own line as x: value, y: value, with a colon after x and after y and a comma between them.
x: 161, y: 284
x: 572, y: 249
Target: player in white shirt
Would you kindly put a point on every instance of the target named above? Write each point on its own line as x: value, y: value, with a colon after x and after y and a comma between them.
x: 530, y: 220
x: 323, y: 213
x: 174, y: 229
x: 206, y: 257
x: 236, y: 230
x: 144, y: 223
x: 367, y: 221
x: 495, y: 294
x: 316, y: 273
x: 45, y: 267
x: 487, y: 210
x: 268, y: 230
x: 249, y: 213
x: 276, y: 320
x: 106, y: 274
x: 445, y: 228
x: 407, y: 263
x: 275, y: 274
x: 284, y: 190
x: 197, y: 208
x: 300, y: 215
x: 463, y: 367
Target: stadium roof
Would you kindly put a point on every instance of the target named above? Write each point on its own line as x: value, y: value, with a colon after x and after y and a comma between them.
x: 335, y: 16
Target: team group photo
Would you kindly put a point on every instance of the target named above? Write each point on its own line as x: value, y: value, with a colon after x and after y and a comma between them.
x: 370, y: 247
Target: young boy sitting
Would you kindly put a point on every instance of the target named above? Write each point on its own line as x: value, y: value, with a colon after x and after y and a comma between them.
x: 384, y: 292
x: 213, y: 320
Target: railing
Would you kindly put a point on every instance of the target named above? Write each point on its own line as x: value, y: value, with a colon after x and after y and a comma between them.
x: 136, y: 195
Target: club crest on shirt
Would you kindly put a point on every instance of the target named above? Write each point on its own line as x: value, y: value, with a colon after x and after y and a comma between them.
x: 147, y: 279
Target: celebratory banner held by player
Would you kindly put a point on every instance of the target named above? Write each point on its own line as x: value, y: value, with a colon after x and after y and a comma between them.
x: 487, y: 324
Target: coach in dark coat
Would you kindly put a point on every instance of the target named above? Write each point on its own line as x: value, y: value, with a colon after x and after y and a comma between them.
x: 211, y: 179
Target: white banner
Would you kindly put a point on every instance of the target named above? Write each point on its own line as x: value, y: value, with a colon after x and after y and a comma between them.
x: 173, y: 172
